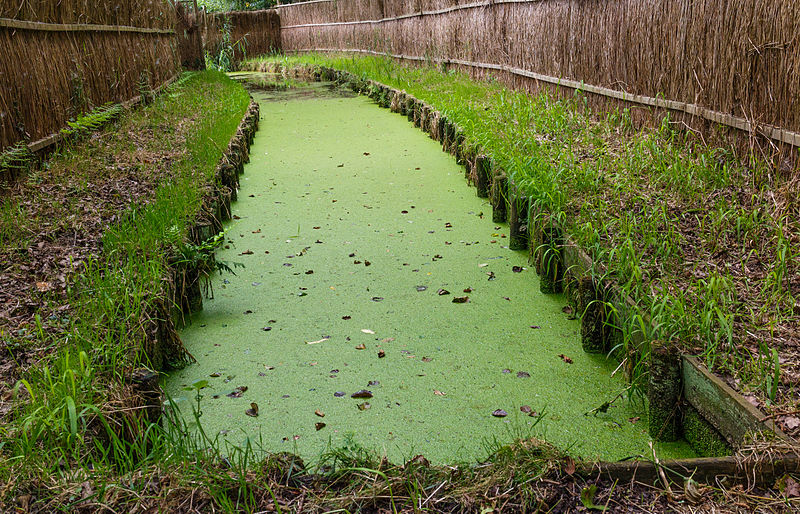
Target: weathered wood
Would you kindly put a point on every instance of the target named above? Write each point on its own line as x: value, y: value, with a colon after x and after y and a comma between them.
x: 664, y: 392
x: 705, y: 470
x: 77, y: 27
x: 517, y: 218
x: 483, y: 169
x: 723, y: 407
x: 499, y: 193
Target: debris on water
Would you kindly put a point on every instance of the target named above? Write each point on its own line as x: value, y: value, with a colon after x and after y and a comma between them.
x: 517, y: 269
x: 319, y: 340
x: 461, y: 299
x: 362, y: 346
x: 426, y: 359
x: 247, y: 252
x: 319, y: 426
x: 367, y: 263
x: 266, y: 329
x: 253, y: 410
x: 442, y: 292
x: 421, y: 288
x: 310, y: 272
x: 565, y: 358
x: 499, y: 413
x: 373, y: 383
x: 523, y: 374
x: 367, y: 331
x: 364, y: 406
x: 237, y: 393
x: 215, y: 375
x: 526, y: 409
x: 506, y: 298
x: 381, y: 354
x: 490, y: 275
x: 439, y: 393
x: 468, y: 290
x: 566, y: 309
x: 339, y: 394
x: 362, y: 394
x: 377, y: 298
x: 535, y: 326
x: 346, y: 318
x: 506, y: 370
x: 319, y: 413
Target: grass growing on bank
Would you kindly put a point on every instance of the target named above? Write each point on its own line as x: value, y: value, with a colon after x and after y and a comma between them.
x: 132, y: 191
x: 703, y: 239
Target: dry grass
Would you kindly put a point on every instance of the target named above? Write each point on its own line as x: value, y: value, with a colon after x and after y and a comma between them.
x: 741, y: 57
x: 139, y: 13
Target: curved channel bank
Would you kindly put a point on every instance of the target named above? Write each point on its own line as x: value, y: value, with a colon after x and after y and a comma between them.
x: 357, y: 234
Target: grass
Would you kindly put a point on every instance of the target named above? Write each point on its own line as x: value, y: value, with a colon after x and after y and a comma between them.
x: 700, y: 237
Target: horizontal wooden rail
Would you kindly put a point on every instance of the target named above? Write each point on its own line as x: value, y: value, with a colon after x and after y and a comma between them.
x: 769, y: 131
x: 417, y: 14
x: 77, y: 27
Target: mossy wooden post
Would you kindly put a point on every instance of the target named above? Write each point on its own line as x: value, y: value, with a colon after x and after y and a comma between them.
x: 425, y: 120
x: 460, y: 151
x: 499, y: 193
x: 444, y: 132
x: 549, y: 263
x: 517, y: 218
x: 417, y: 113
x: 145, y: 386
x: 590, y: 310
x: 483, y: 168
x: 663, y: 392
x: 410, y: 106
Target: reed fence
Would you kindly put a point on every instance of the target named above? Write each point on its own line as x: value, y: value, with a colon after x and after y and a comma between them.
x: 251, y: 32
x: 734, y: 62
x: 62, y: 58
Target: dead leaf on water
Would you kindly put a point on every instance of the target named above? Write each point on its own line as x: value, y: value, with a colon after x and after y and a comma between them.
x: 364, y: 406
x: 253, y: 410
x: 319, y: 426
x: 499, y: 413
x: 387, y: 339
x: 362, y: 394
x: 526, y: 409
x: 319, y: 413
x: 442, y: 292
x: 346, y: 318
x: 461, y: 299
x: 421, y: 288
x: 439, y: 393
x: 247, y: 252
x: 517, y: 269
x: 523, y: 374
x: 237, y: 393
x: 381, y: 354
x: 367, y: 331
x: 426, y: 359
x: 565, y: 358
x: 362, y: 346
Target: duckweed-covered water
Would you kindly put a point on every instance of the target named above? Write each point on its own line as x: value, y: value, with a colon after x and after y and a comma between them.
x: 357, y: 233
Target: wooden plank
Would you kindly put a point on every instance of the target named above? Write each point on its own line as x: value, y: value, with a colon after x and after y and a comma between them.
x: 720, y: 405
x: 705, y: 470
x: 77, y: 27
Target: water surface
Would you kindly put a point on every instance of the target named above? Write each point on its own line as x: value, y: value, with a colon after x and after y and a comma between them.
x: 357, y: 232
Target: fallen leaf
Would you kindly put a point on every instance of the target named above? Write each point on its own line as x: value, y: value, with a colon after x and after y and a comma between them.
x: 367, y: 263
x: 506, y: 298
x: 535, y: 326
x: 373, y: 383
x: 346, y: 318
x: 367, y: 331
x: 483, y: 265
x: 43, y: 286
x: 569, y: 465
x: 253, y: 410
x: 362, y: 394
x: 506, y: 370
x: 420, y: 460
x: 319, y: 426
x: 377, y: 298
x: 448, y: 225
x: 523, y: 374
x: 362, y: 346
x: 526, y: 409
x: 439, y: 393
x: 499, y: 413
x: 387, y: 339
x: 566, y: 309
x: 319, y: 413
x: 426, y: 359
x: 517, y: 269
x: 364, y: 406
x: 310, y: 272
x: 421, y: 288
x: 237, y: 393
x: 339, y: 394
x: 634, y: 419
x: 461, y: 299
x: 442, y: 292
x: 215, y: 375
x: 791, y: 422
x: 468, y: 290
x: 247, y: 252
x: 565, y: 358
x: 490, y: 275
x: 381, y: 354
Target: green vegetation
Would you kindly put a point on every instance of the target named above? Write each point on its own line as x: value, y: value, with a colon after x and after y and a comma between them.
x: 74, y: 407
x: 699, y: 236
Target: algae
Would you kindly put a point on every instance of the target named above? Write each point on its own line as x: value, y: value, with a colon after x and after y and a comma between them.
x: 352, y: 226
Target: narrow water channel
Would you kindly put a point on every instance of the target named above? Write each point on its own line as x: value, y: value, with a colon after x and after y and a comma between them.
x: 357, y: 234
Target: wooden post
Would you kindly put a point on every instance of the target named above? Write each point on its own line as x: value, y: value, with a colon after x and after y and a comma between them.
x: 517, y: 219
x: 549, y: 263
x: 499, y: 192
x: 483, y: 169
x: 590, y: 310
x: 663, y: 392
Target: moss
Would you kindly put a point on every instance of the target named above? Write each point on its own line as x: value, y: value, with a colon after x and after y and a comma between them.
x: 702, y: 436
